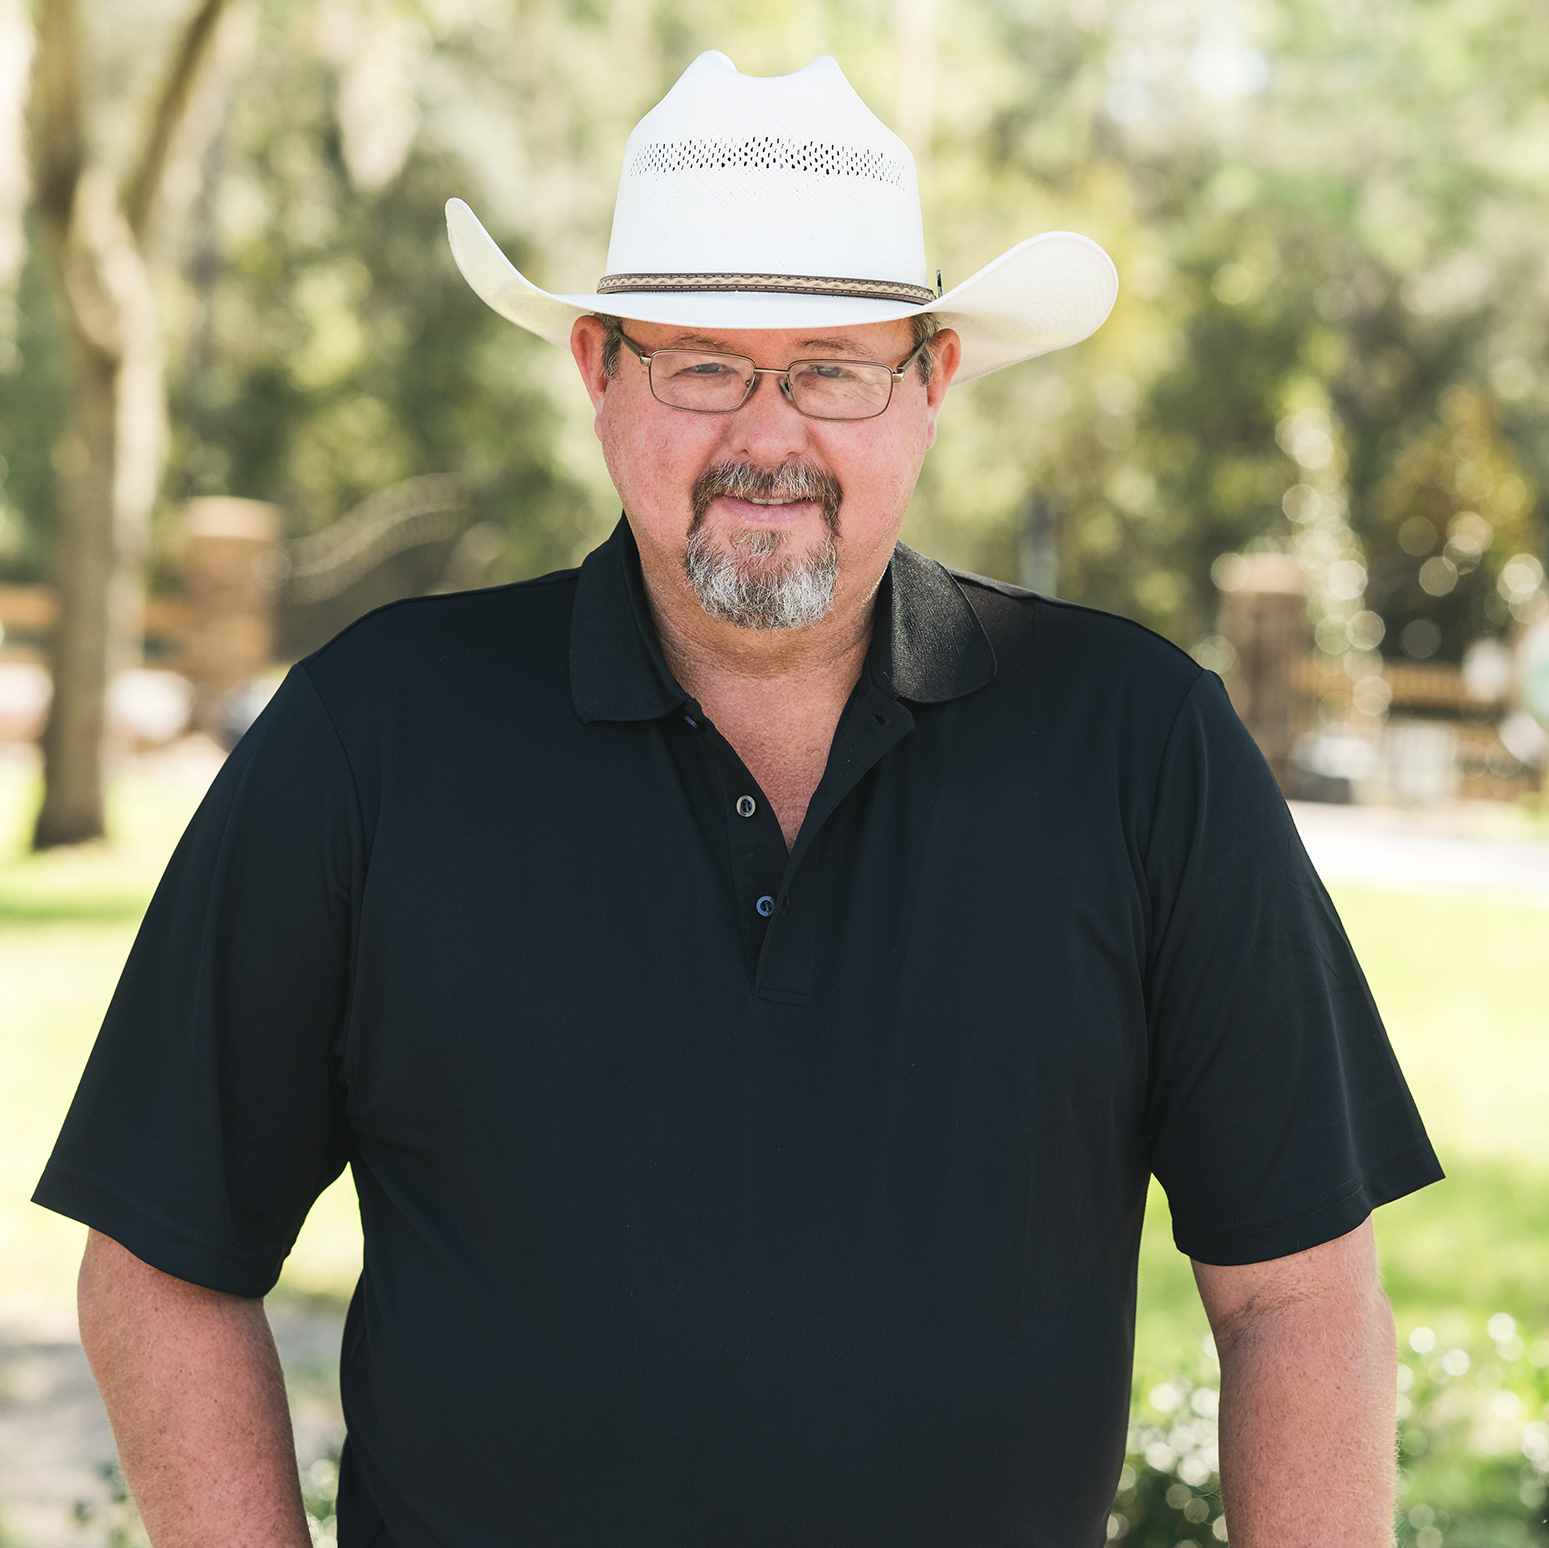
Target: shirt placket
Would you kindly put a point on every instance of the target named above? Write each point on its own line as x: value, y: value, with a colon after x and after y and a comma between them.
x: 785, y: 908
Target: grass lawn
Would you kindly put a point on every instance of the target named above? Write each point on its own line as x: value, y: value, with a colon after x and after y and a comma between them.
x: 1457, y: 979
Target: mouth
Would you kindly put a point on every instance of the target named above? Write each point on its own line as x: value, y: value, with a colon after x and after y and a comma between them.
x: 752, y: 510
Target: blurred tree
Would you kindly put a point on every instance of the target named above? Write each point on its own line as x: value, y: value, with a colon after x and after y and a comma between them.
x: 1450, y: 511
x: 110, y: 457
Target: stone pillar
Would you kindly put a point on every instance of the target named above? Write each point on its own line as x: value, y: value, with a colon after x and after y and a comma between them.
x: 228, y: 551
x: 1263, y: 614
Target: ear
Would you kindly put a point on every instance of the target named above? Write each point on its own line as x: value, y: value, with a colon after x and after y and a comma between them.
x: 586, y: 340
x: 947, y: 350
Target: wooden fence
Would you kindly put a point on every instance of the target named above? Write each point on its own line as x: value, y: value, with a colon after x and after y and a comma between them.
x: 1326, y: 696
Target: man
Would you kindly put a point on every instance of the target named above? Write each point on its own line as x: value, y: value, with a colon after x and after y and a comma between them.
x: 752, y: 976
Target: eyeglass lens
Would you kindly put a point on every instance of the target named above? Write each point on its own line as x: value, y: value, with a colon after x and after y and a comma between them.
x: 826, y: 389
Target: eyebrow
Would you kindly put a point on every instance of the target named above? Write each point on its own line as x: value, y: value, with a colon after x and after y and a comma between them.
x: 706, y: 341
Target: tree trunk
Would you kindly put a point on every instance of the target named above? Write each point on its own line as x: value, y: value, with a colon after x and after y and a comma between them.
x: 112, y: 452
x: 109, y: 465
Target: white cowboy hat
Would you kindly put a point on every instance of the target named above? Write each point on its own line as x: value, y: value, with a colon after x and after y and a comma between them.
x: 783, y: 201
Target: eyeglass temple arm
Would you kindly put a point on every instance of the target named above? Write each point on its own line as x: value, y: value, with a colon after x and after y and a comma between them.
x: 903, y: 365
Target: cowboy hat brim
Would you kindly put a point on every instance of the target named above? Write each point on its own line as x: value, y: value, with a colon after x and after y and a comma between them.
x: 1046, y: 293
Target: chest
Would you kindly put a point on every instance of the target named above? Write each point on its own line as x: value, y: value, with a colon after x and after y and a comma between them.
x: 788, y: 784
x: 788, y: 765
x: 585, y: 989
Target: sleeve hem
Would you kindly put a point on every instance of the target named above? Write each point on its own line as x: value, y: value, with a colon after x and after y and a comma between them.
x: 89, y: 1200
x: 1398, y: 1175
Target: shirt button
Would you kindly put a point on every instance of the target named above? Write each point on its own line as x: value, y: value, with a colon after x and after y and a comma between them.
x: 689, y: 720
x: 765, y: 905
x: 746, y: 806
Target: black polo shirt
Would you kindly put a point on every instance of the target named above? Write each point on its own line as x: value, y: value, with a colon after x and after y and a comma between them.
x: 715, y: 1195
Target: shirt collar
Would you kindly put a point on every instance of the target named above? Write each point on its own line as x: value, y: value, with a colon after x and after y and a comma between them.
x: 927, y: 643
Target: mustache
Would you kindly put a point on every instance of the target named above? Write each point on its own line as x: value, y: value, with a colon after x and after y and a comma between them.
x: 796, y: 481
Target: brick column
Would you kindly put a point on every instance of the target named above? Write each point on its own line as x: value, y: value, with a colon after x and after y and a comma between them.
x: 1263, y: 613
x: 228, y: 552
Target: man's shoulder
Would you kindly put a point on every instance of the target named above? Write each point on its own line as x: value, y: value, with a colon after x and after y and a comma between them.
x: 1036, y: 633
x: 436, y: 625
x: 478, y: 645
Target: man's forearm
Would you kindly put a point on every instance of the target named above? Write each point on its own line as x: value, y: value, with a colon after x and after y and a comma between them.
x: 1308, y: 1425
x: 193, y: 1389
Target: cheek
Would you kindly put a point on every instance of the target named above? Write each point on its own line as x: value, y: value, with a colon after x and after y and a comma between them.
x: 888, y: 472
x: 614, y: 455
x: 669, y: 453
x: 631, y: 451
x: 653, y: 462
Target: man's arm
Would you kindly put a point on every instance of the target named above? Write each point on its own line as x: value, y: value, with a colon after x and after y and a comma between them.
x: 193, y: 1388
x: 1307, y: 1427
x: 1309, y: 1396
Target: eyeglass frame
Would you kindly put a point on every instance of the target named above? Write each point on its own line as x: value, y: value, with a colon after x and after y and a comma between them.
x: 895, y: 374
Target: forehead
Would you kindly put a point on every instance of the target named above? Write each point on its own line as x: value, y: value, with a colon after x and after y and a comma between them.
x: 863, y: 340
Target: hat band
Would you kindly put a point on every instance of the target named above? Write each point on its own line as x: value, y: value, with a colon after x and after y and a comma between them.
x: 788, y: 284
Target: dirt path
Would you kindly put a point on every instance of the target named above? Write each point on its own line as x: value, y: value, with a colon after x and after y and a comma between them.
x: 1442, y: 849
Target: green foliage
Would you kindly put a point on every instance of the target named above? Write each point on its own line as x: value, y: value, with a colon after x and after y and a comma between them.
x: 323, y: 384
x: 1169, y: 1489
x: 34, y: 382
x: 1474, y: 1437
x: 319, y: 1492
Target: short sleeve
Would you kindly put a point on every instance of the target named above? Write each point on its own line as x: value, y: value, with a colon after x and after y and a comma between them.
x: 210, y: 1112
x: 1277, y: 1115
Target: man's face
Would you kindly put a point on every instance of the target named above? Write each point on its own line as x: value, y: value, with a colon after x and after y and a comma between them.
x: 685, y: 478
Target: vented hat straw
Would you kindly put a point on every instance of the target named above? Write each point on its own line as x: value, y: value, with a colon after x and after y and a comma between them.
x: 784, y: 202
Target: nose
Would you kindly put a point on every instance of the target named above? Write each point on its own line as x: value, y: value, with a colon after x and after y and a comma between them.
x: 768, y: 427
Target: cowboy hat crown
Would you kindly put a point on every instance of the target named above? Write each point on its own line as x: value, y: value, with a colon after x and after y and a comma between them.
x: 785, y: 202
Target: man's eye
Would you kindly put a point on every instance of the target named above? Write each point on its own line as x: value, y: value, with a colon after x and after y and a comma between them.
x: 838, y: 373
x: 704, y: 368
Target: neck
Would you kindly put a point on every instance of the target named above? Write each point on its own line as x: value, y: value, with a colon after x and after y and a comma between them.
x: 762, y: 669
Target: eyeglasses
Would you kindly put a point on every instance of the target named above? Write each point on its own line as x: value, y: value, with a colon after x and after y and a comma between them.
x: 710, y: 382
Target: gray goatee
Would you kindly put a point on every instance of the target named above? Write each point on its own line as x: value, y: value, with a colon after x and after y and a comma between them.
x: 737, y: 581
